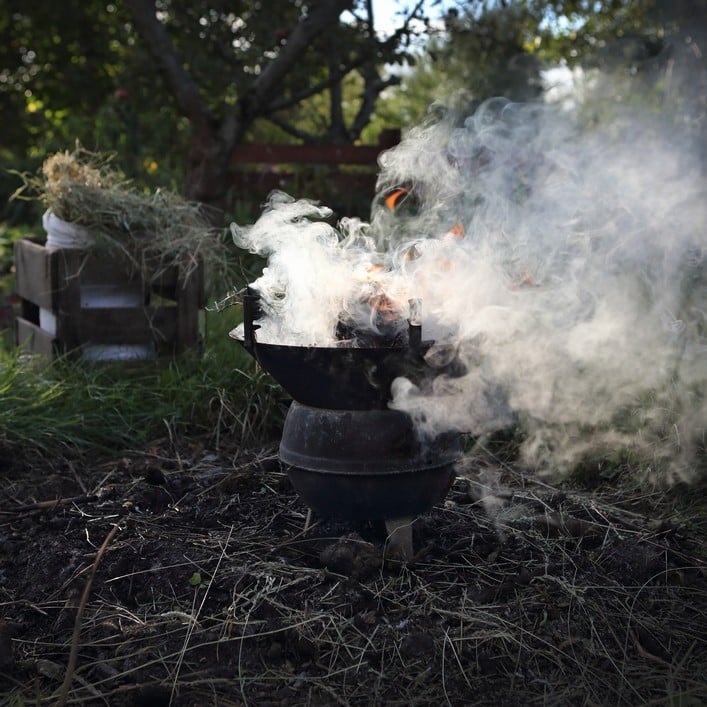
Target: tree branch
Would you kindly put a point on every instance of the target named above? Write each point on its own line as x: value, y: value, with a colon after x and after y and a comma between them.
x: 314, y: 89
x: 373, y: 87
x: 180, y: 81
x: 267, y: 83
x: 303, y: 135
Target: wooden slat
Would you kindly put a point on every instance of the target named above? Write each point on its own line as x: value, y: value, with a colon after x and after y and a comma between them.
x: 67, y: 299
x: 103, y: 268
x: 29, y: 337
x: 52, y: 279
x: 33, y: 273
x: 127, y: 325
x: 168, y: 284
x: 167, y: 281
x: 258, y: 153
x: 265, y: 182
x: 191, y: 294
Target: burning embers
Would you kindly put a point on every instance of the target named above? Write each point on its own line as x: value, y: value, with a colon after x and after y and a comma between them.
x: 341, y: 286
x: 376, y: 318
x: 386, y: 324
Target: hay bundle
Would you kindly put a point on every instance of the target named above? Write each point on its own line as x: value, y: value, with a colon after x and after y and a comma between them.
x: 154, y: 231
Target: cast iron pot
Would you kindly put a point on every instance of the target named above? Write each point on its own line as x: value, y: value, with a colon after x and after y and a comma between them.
x: 365, y: 464
x: 332, y: 377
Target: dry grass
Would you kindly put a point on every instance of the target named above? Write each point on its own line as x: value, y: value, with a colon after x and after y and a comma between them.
x: 212, y: 592
x: 154, y: 231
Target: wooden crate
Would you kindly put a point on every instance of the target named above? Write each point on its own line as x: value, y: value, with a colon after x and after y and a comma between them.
x: 52, y: 279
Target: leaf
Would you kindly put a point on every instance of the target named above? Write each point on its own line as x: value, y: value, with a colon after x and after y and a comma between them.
x: 195, y: 579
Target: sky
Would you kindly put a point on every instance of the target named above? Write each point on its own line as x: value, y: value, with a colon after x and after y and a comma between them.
x: 385, y: 11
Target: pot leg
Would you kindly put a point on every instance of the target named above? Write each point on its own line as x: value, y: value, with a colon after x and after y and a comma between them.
x: 400, y: 538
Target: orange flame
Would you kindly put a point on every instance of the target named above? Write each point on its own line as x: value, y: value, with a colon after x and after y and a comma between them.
x: 393, y: 199
x: 383, y: 308
x: 456, y: 231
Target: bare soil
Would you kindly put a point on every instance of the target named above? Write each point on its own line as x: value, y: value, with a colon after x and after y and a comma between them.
x: 184, y: 575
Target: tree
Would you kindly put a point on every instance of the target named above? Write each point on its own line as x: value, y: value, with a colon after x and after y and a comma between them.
x: 194, y: 78
x: 48, y: 60
x: 651, y: 52
x: 648, y: 54
x: 486, y: 49
x: 157, y: 80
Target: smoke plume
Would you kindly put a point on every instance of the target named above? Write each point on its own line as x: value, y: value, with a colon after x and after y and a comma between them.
x: 565, y: 267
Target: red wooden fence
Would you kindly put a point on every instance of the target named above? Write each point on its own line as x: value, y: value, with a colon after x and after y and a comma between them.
x: 342, y: 176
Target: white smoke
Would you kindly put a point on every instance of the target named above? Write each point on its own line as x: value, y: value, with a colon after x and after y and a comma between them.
x: 576, y: 298
x: 311, y: 270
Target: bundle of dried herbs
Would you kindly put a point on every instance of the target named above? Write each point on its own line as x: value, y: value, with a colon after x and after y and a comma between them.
x: 154, y: 230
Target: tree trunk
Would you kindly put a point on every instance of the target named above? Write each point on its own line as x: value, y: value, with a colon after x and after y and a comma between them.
x: 207, y: 170
x: 213, y: 140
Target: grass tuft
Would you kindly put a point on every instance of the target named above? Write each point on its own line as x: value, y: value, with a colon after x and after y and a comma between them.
x: 68, y: 404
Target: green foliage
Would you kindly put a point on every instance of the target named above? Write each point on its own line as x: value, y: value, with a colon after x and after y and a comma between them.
x: 638, y: 57
x: 8, y: 236
x: 80, y: 75
x: 486, y: 50
x: 58, y: 69
x: 648, y: 52
x: 610, y: 34
x: 76, y: 405
x: 87, y: 75
x: 491, y: 50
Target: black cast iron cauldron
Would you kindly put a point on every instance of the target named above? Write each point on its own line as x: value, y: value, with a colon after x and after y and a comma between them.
x: 346, y: 453
x: 336, y: 378
x: 365, y: 464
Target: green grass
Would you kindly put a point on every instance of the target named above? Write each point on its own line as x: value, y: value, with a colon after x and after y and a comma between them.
x: 73, y: 404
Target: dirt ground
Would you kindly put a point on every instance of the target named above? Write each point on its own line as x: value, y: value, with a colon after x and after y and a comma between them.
x: 185, y: 576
